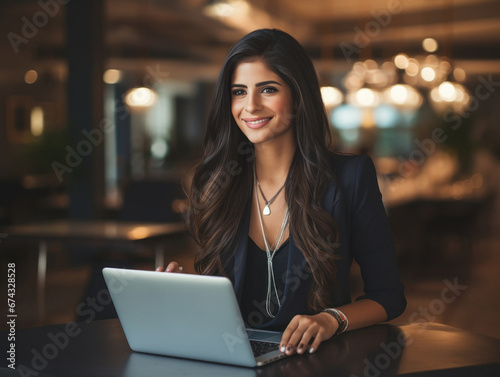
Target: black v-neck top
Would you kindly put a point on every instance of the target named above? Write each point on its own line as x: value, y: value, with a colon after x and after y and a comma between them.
x: 253, y: 300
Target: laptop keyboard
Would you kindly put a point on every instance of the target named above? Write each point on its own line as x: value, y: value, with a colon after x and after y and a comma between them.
x: 260, y: 348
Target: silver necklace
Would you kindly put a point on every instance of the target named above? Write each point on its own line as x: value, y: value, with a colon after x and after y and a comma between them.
x: 271, y: 283
x: 267, y: 208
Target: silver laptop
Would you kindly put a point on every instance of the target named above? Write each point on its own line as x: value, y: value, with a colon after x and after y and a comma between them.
x: 188, y: 316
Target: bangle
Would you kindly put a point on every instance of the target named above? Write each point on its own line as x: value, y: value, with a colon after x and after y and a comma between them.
x: 341, y: 319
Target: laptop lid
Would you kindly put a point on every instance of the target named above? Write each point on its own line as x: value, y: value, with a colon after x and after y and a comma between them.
x: 183, y: 315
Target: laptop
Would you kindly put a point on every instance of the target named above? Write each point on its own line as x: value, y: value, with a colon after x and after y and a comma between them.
x: 187, y: 316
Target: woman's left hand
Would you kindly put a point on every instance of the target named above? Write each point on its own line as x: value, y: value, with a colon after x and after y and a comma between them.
x: 303, y: 328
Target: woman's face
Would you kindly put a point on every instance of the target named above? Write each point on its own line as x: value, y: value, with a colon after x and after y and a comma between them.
x: 261, y: 103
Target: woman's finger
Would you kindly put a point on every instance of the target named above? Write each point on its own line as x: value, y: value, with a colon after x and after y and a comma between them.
x: 171, y: 267
x: 174, y: 267
x: 317, y: 341
x: 285, y: 338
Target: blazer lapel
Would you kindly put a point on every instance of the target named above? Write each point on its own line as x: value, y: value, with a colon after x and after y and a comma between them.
x: 240, y: 254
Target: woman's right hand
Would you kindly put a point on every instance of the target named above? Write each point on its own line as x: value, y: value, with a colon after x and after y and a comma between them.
x: 172, y: 267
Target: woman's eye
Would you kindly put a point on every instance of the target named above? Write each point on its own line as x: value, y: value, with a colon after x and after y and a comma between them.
x: 269, y: 89
x: 238, y: 92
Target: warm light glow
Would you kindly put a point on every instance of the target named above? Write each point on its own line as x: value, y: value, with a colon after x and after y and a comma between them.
x: 412, y: 67
x: 435, y: 95
x: 428, y: 74
x: 450, y: 96
x: 331, y: 96
x: 445, y: 66
x: 366, y: 97
x: 404, y: 96
x: 401, y: 61
x: 398, y: 94
x: 459, y: 74
x: 138, y: 233
x: 430, y: 44
x: 37, y: 123
x: 112, y: 76
x: 359, y: 67
x: 447, y: 92
x: 141, y: 98
x: 226, y: 8
x: 353, y: 82
x: 30, y: 76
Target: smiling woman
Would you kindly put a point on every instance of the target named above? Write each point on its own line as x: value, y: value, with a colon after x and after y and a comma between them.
x: 287, y: 224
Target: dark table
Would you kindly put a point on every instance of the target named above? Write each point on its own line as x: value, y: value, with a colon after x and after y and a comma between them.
x: 109, y: 233
x: 99, y: 348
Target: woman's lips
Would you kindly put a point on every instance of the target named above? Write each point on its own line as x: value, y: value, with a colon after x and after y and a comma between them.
x: 255, y: 123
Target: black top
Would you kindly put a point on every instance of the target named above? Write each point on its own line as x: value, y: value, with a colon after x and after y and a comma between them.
x: 253, y: 305
x: 354, y: 201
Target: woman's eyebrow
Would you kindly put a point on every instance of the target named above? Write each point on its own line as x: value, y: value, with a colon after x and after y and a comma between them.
x: 267, y: 83
x: 256, y: 85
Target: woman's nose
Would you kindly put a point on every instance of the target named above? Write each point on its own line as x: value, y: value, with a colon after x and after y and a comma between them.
x: 253, y: 103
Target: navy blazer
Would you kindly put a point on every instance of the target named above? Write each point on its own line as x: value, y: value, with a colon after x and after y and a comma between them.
x: 355, y: 202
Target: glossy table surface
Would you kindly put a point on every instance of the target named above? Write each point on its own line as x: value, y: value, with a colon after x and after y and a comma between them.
x: 100, y: 348
x: 93, y: 230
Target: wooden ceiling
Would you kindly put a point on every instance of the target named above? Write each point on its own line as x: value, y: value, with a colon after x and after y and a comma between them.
x: 194, y: 44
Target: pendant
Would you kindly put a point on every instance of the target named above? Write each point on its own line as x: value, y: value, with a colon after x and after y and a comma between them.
x: 266, y: 211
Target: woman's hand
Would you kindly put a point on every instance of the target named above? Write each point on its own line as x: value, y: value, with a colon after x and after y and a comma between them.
x: 304, y: 328
x: 172, y: 267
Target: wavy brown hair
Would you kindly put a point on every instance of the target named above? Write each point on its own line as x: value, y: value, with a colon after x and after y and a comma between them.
x: 223, y: 181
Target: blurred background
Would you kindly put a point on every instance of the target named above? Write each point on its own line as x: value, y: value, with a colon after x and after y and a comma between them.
x: 102, y: 109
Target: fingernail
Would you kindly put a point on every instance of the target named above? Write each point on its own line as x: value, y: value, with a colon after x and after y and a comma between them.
x: 167, y: 270
x: 283, y: 349
x: 158, y: 268
x: 311, y: 350
x: 301, y: 346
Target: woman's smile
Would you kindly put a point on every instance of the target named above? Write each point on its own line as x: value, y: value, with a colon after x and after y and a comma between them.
x: 256, y: 123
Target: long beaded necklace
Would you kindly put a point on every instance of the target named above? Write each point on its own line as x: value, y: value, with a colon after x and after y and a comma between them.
x: 271, y: 283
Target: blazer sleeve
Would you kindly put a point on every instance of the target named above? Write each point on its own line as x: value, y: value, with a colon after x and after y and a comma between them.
x: 372, y: 244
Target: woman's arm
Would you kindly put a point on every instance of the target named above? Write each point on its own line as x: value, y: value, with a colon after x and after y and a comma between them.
x: 371, y: 245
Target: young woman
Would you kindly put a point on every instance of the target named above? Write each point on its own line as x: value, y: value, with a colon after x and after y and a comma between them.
x: 278, y: 213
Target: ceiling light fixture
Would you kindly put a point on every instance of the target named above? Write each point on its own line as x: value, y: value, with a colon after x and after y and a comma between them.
x: 140, y: 99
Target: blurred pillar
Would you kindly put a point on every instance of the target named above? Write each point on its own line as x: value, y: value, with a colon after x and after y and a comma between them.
x: 85, y: 39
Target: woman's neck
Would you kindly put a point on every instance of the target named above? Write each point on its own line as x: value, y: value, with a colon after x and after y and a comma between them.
x: 272, y: 163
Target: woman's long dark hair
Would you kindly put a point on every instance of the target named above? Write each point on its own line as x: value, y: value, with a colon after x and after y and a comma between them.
x: 223, y: 181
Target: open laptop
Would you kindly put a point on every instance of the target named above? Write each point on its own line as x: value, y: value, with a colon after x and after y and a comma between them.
x: 189, y: 316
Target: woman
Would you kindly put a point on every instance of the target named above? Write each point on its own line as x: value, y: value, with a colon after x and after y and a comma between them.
x: 278, y: 213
